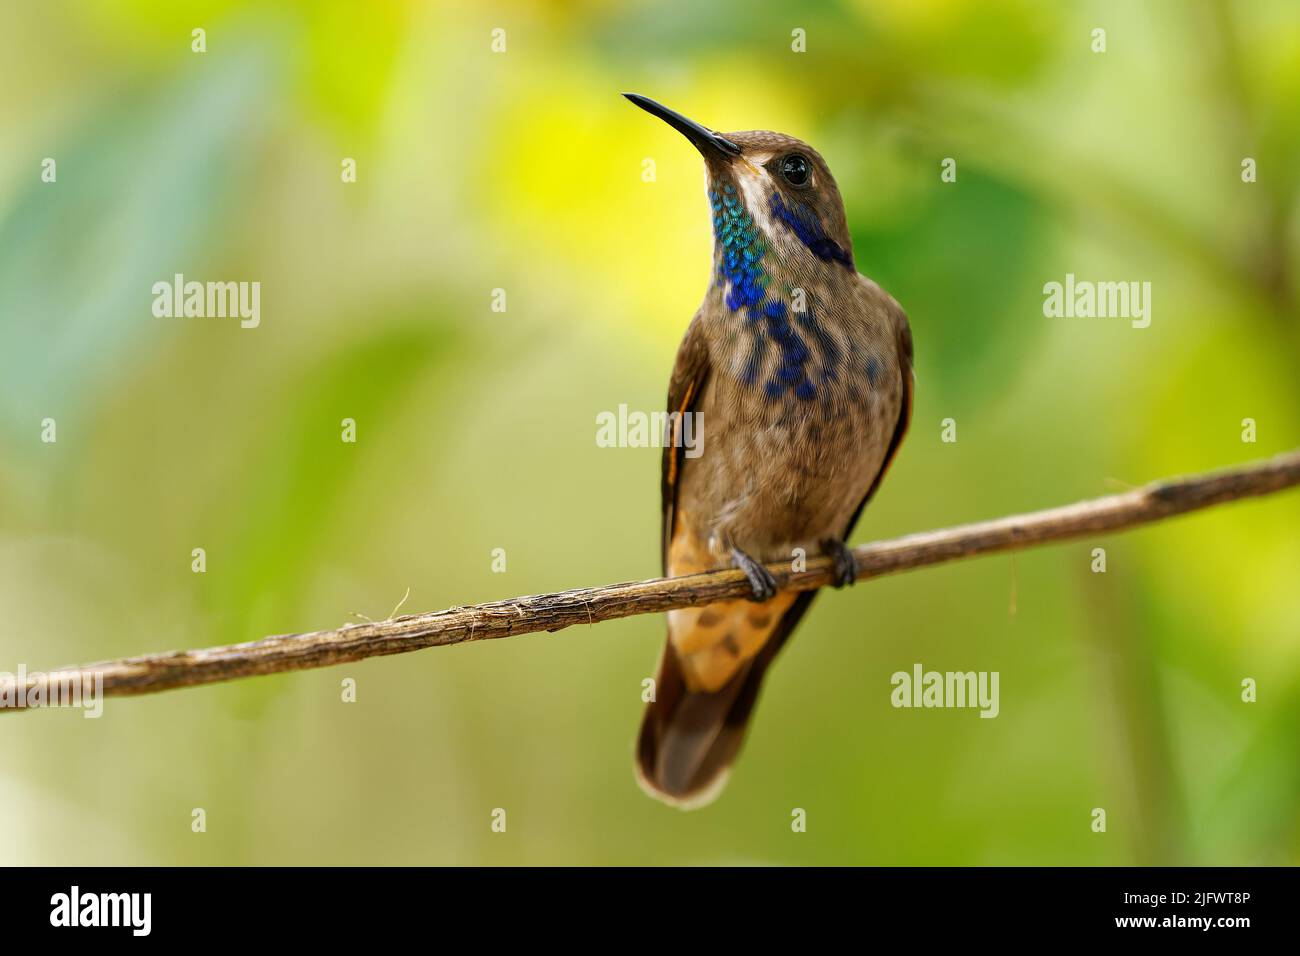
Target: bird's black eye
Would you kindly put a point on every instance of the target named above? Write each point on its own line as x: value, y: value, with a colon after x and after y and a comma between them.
x: 794, y: 169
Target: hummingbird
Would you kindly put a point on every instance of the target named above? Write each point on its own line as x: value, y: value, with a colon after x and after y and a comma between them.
x: 801, y: 369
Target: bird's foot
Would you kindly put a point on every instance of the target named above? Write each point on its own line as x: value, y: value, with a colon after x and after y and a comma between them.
x: 846, y: 565
x: 761, y: 583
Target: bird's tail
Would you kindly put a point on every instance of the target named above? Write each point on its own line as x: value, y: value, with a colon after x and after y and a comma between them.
x: 689, y: 738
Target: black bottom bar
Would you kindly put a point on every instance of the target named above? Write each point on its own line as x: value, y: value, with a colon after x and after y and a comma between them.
x: 332, y: 906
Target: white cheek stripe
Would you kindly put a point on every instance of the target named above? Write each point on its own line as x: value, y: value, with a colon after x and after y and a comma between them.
x: 757, y: 193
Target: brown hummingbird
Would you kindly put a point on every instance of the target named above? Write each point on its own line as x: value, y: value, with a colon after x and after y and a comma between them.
x: 801, y: 371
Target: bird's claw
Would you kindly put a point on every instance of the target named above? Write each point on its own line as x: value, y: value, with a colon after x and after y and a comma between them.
x: 761, y: 583
x: 846, y: 565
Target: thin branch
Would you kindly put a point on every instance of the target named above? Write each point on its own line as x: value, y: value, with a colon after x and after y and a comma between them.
x: 150, y: 673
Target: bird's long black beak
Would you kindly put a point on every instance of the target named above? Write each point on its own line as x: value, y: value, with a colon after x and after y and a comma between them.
x: 705, y: 139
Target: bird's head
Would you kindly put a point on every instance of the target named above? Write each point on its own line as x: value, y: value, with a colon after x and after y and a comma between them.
x: 772, y: 183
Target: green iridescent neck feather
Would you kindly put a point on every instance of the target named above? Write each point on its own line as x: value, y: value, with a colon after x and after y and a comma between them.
x: 740, y: 251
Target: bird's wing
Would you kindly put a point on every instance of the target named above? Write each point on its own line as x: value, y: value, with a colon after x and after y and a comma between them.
x: 904, y: 344
x: 690, y: 373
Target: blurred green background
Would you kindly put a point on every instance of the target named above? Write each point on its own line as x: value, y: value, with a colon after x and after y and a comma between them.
x: 522, y: 170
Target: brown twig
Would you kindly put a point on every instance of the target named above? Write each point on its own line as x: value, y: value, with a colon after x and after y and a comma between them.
x: 150, y: 673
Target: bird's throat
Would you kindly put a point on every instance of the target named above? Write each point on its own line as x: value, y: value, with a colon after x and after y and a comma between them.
x: 775, y: 298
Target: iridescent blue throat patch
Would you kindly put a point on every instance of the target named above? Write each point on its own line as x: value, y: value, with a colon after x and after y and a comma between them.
x: 740, y: 250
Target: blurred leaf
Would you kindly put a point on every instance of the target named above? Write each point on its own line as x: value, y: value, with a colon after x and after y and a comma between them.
x: 964, y: 266
x: 297, y: 474
x: 140, y: 194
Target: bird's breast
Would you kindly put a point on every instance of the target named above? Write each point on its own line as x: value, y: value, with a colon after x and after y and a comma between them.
x: 785, y: 471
